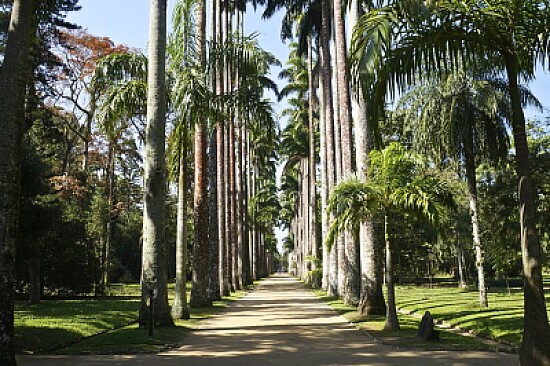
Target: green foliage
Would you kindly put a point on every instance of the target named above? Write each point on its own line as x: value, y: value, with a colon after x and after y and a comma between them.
x: 397, y: 183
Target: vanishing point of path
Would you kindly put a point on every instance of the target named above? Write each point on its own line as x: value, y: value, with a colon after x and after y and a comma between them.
x: 280, y: 323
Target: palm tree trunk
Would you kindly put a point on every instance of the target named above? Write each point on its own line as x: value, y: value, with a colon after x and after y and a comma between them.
x: 350, y: 261
x: 199, y: 289
x: 340, y: 244
x: 12, y: 113
x: 326, y: 74
x: 153, y: 275
x: 238, y: 208
x: 304, y: 208
x: 247, y: 279
x: 324, y: 182
x: 228, y: 212
x: 110, y: 219
x: 472, y: 197
x: 312, y: 165
x: 391, y: 317
x: 460, y: 254
x: 371, y: 294
x: 214, y: 273
x: 221, y: 171
x: 179, y: 306
x: 233, y: 205
x: 536, y: 331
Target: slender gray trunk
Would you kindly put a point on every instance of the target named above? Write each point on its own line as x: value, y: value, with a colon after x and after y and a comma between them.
x: 371, y: 294
x: 391, y: 317
x: 179, y: 306
x: 474, y: 215
x: 459, y: 255
x: 153, y: 275
x: 326, y: 75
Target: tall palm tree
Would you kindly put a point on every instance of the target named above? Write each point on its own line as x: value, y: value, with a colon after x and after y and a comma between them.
x: 183, y: 54
x: 469, y: 113
x: 437, y: 35
x: 371, y: 298
x: 12, y: 102
x: 395, y: 184
x: 119, y: 82
x: 199, y: 290
x: 153, y: 275
x: 352, y: 278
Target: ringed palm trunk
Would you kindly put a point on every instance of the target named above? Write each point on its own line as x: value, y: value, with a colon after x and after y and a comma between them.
x: 324, y: 181
x: 214, y: 273
x: 228, y: 213
x: 474, y: 215
x: 200, y: 284
x: 338, y: 260
x: 233, y: 206
x: 534, y: 348
x: 153, y: 269
x: 313, y: 104
x: 371, y: 294
x: 110, y: 220
x: 460, y: 254
x: 12, y: 113
x: 221, y: 171
x: 391, y: 316
x: 326, y: 76
x: 199, y: 289
x: 179, y: 306
x: 247, y: 279
x: 351, y: 254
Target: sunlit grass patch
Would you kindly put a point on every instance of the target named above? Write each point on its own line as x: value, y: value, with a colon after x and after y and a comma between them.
x: 100, y: 325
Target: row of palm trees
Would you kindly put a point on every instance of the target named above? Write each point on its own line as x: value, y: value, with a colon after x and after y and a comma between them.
x: 458, y: 67
x: 223, y: 132
x: 217, y: 102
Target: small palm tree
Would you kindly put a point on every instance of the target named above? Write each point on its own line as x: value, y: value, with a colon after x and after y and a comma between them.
x: 396, y: 183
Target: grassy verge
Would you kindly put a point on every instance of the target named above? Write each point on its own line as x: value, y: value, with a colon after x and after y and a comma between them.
x: 99, y: 325
x: 406, y: 336
x: 502, y: 320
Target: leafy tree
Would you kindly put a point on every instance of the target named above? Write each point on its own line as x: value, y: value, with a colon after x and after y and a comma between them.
x: 395, y: 184
x: 408, y: 36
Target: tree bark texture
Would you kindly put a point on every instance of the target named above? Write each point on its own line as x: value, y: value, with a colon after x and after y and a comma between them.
x: 179, y: 306
x: 214, y: 273
x: 371, y: 294
x: 474, y: 213
x: 12, y: 114
x: 326, y: 74
x: 153, y: 272
x: 391, y: 317
x: 199, y: 289
x: 534, y: 350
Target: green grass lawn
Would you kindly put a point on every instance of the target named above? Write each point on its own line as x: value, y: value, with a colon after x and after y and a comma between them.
x: 406, y: 337
x: 502, y: 320
x: 99, y: 325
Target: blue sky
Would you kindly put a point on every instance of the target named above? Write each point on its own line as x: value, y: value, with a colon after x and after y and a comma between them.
x: 126, y: 21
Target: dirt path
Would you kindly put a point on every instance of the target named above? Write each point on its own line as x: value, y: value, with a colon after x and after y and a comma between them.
x: 280, y: 323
